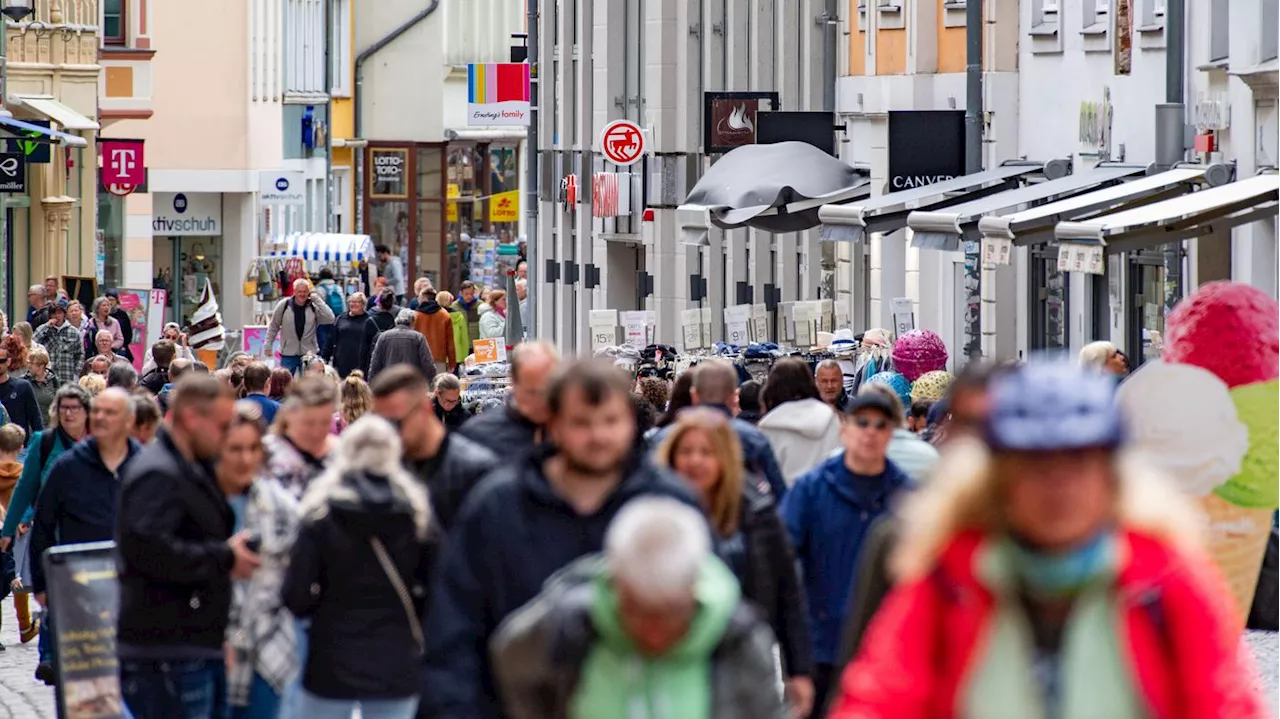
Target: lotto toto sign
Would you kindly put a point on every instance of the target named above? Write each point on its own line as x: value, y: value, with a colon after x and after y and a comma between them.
x: 622, y: 142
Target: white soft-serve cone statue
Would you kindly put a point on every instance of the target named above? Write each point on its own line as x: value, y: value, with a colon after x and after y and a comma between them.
x: 206, y: 331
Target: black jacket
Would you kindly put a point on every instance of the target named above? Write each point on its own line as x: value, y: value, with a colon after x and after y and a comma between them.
x: 385, y: 320
x: 402, y: 345
x: 171, y: 535
x: 360, y: 644
x: 155, y: 379
x: 772, y: 579
x: 452, y: 418
x: 77, y: 503
x: 350, y: 344
x: 512, y: 534
x: 19, y: 400
x: 126, y: 329
x: 504, y: 432
x: 450, y: 475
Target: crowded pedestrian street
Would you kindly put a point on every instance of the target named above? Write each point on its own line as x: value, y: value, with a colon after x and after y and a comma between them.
x: 626, y: 359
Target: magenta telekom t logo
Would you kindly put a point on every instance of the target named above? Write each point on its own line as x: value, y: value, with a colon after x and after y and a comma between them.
x: 123, y: 161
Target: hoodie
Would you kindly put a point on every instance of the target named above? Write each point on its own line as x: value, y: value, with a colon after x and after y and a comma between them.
x: 77, y: 503
x: 432, y: 321
x: 801, y: 433
x: 10, y: 473
x: 567, y: 656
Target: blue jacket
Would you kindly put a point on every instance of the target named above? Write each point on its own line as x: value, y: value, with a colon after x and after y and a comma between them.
x: 827, y: 513
x: 756, y: 452
x: 77, y: 503
x: 22, y: 504
x: 512, y: 534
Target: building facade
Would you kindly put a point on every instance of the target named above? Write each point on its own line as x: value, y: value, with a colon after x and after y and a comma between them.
x: 426, y: 177
x: 259, y: 73
x: 654, y: 63
x: 51, y: 88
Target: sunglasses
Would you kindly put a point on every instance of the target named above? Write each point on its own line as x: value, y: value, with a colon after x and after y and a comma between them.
x: 865, y: 422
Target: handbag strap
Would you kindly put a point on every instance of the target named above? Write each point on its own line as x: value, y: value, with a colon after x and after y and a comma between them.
x: 415, y: 625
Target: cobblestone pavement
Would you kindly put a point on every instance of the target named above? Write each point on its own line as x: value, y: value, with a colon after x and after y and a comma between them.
x: 1265, y: 648
x: 21, y: 696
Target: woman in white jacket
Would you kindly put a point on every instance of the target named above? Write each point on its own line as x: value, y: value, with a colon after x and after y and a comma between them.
x: 493, y: 324
x: 801, y: 428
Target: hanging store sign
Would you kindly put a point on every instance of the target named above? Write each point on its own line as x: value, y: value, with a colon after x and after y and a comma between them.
x: 1081, y: 257
x: 622, y: 142
x: 123, y: 162
x: 13, y: 172
x: 925, y: 146
x: 36, y: 146
x: 282, y: 188
x: 390, y: 168
x: 729, y: 118
x: 186, y: 214
x: 498, y: 94
x: 505, y: 207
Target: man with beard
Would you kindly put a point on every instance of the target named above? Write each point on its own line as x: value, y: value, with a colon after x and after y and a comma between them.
x: 177, y: 558
x: 448, y: 464
x: 529, y: 519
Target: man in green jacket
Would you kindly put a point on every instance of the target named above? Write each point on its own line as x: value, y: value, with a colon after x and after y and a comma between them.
x: 658, y: 623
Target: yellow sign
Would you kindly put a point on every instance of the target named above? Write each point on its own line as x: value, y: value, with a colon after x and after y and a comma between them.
x: 451, y: 211
x: 452, y: 191
x: 491, y: 350
x: 505, y: 207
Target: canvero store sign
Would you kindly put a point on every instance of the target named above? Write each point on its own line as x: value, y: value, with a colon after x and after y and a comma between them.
x: 186, y: 214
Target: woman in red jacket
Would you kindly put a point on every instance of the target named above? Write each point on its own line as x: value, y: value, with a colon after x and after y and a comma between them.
x: 1047, y: 574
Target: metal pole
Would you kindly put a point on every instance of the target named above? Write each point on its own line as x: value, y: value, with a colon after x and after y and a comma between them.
x: 328, y: 117
x: 531, y: 174
x: 1171, y: 115
x: 973, y: 86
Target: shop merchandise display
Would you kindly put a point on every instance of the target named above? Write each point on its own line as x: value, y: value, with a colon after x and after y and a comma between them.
x: 917, y: 352
x: 931, y: 386
x: 895, y: 381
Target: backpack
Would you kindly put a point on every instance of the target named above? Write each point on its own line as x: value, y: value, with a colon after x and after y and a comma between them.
x: 47, y: 440
x: 333, y: 298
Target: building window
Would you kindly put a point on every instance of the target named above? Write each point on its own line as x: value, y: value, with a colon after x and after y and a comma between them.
x: 341, y: 186
x: 304, y: 46
x: 114, y: 30
x: 1219, y: 33
x: 1049, y: 7
x: 1270, y: 26
x: 340, y: 44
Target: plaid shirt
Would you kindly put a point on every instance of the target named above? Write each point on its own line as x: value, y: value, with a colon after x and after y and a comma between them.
x: 261, y: 630
x: 66, y: 351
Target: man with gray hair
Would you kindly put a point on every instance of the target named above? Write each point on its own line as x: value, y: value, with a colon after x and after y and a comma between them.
x: 295, y: 320
x: 122, y: 374
x: 659, y: 597
x: 79, y: 498
x: 37, y: 306
x: 716, y: 386
x: 402, y: 344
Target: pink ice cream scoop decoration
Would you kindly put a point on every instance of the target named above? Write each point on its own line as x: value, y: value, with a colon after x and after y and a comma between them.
x: 1228, y: 328
x: 917, y: 352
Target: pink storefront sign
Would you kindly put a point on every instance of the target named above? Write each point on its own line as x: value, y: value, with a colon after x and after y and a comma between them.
x: 123, y: 162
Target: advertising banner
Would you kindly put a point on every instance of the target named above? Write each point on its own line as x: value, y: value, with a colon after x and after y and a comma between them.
x: 123, y: 162
x: 505, y: 207
x: 136, y: 304
x: 925, y: 146
x: 84, y: 600
x: 498, y: 94
x: 254, y: 339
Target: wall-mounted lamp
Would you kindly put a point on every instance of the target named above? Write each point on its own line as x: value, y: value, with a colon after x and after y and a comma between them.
x: 17, y: 10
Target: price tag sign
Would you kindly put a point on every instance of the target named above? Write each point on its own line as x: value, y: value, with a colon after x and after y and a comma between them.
x: 635, y: 328
x: 602, y: 337
x: 691, y: 324
x: 490, y: 350
x: 737, y: 321
x: 1097, y: 262
x: 759, y: 323
x: 804, y: 321
x: 904, y: 316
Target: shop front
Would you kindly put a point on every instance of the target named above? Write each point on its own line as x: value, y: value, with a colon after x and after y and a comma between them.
x: 430, y: 203
x: 187, y: 249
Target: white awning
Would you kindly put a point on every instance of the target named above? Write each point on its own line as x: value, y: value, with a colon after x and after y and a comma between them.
x: 323, y: 247
x: 52, y: 109
x: 944, y: 229
x: 1198, y: 214
x: 886, y: 213
x: 1031, y: 225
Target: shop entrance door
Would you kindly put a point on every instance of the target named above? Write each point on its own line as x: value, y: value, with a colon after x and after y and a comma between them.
x: 182, y: 265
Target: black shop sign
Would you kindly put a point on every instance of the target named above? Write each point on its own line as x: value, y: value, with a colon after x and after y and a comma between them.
x: 390, y: 169
x: 84, y: 599
x: 925, y: 146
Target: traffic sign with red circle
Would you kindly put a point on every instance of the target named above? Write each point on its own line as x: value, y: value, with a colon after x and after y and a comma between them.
x: 622, y: 142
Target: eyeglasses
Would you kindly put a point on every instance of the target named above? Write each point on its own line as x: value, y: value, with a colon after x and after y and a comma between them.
x: 399, y: 423
x: 877, y: 424
x: 70, y: 408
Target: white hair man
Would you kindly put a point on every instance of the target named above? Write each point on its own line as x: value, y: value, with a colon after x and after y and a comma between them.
x: 659, y: 595
x: 295, y: 320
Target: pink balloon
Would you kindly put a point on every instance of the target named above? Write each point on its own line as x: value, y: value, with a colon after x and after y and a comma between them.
x: 918, y: 352
x: 1229, y: 328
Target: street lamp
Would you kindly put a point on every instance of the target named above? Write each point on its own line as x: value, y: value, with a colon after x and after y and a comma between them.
x: 16, y: 10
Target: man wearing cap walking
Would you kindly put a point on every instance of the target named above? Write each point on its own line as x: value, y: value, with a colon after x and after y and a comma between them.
x: 827, y: 512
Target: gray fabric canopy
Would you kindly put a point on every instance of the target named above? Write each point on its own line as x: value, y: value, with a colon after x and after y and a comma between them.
x: 754, y: 186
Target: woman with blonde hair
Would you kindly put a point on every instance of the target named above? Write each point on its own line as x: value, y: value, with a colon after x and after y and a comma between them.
x: 703, y: 448
x: 1049, y: 573
x: 43, y: 381
x: 298, y: 444
x: 1105, y: 357
x: 94, y: 383
x: 354, y: 401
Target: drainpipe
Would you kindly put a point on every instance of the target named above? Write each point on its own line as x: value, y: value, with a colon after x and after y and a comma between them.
x: 984, y: 327
x: 531, y: 173
x: 1171, y: 131
x: 359, y: 84
x: 328, y: 117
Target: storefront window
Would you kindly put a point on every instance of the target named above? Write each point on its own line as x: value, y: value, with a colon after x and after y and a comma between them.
x: 111, y: 211
x: 429, y: 174
x: 504, y: 168
x: 1049, y: 298
x: 1155, y: 277
x: 430, y: 258
x: 389, y: 225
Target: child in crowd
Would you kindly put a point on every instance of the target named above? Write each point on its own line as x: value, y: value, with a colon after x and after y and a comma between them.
x: 12, y: 437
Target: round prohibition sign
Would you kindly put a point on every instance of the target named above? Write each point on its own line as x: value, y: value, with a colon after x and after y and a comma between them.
x: 622, y: 142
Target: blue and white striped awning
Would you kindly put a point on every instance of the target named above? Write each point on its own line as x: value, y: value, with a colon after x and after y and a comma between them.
x: 322, y: 247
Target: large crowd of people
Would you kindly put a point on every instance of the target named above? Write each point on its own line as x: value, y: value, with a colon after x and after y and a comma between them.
x: 335, y: 531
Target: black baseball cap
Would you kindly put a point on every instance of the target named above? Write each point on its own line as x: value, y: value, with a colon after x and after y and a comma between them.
x: 869, y: 400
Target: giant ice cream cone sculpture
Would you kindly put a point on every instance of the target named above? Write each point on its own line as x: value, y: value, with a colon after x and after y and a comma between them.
x: 1212, y: 419
x: 206, y: 333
